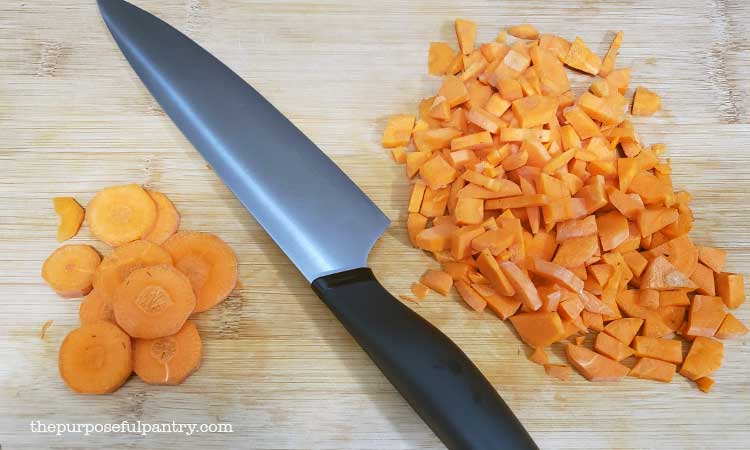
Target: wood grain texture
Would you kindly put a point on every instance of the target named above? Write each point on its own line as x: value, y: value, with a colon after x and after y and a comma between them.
x: 74, y: 118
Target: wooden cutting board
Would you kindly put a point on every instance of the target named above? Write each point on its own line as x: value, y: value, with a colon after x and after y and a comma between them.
x: 278, y: 367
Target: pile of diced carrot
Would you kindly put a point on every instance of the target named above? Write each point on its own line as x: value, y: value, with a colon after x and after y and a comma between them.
x: 551, y: 211
x: 138, y: 298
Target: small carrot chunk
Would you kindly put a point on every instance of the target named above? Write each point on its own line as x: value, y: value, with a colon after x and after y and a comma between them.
x: 649, y: 298
x: 419, y: 290
x: 580, y: 57
x: 489, y: 267
x: 611, y: 347
x: 703, y: 277
x: 661, y: 275
x: 522, y: 285
x: 593, y: 366
x: 712, y: 257
x: 466, y: 33
x: 645, y: 102
x: 503, y: 306
x: 653, y: 369
x: 668, y: 350
x: 539, y: 356
x: 706, y: 315
x: 608, y: 63
x: 731, y: 328
x: 470, y: 296
x: 415, y: 224
x: 538, y: 329
x: 398, y: 131
x: 705, y: 383
x: 731, y: 288
x: 454, y: 90
x: 613, y: 229
x: 576, y: 251
x: 523, y: 31
x: 559, y: 371
x: 624, y: 330
x: 535, y: 110
x: 440, y: 57
x: 71, y: 217
x: 556, y: 273
x: 437, y: 173
x: 437, y: 280
x: 703, y: 358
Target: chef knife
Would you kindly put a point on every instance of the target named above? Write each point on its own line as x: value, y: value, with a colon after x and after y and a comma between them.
x: 323, y: 222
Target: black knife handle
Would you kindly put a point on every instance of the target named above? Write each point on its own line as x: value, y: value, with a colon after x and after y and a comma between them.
x: 437, y: 379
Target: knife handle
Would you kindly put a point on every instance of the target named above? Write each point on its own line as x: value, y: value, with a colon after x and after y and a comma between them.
x: 437, y: 379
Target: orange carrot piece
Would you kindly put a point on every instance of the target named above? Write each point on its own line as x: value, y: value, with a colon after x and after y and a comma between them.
x: 168, y: 360
x: 661, y: 275
x: 208, y: 262
x: 415, y: 200
x: 556, y: 45
x: 437, y: 280
x: 496, y: 241
x: 731, y: 328
x: 645, y: 102
x: 440, y: 57
x: 415, y: 223
x: 731, y: 288
x: 703, y: 358
x: 613, y: 229
x: 674, y: 298
x: 580, y: 57
x: 71, y: 217
x: 705, y: 383
x: 649, y: 298
x: 470, y: 296
x: 153, y: 302
x: 636, y: 262
x: 712, y: 257
x: 575, y: 228
x: 502, y: 305
x: 466, y: 33
x: 570, y: 309
x: 69, y: 270
x: 611, y: 347
x: 668, y: 350
x: 703, y: 277
x: 556, y: 274
x: 473, y: 141
x: 581, y: 123
x: 95, y: 307
x: 430, y: 140
x: 121, y: 214
x: 437, y: 173
x: 575, y: 251
x: 523, y: 31
x: 559, y: 371
x: 435, y: 239
x: 535, y: 110
x: 522, y: 285
x: 538, y: 329
x: 706, y: 315
x: 539, y: 356
x: 593, y: 321
x: 398, y: 154
x: 601, y: 272
x: 96, y: 358
x: 167, y: 219
x: 489, y: 267
x: 624, y: 330
x: 608, y: 63
x: 123, y: 260
x: 593, y: 366
x: 652, y: 219
x: 415, y: 160
x: 419, y: 290
x: 453, y: 90
x: 460, y: 240
x: 653, y: 369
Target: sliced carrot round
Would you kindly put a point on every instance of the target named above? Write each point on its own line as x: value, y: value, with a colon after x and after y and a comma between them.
x: 167, y: 219
x: 123, y: 260
x: 169, y: 359
x: 153, y: 302
x: 71, y: 216
x: 121, y: 214
x: 208, y: 262
x: 69, y: 270
x: 95, y: 307
x: 96, y: 358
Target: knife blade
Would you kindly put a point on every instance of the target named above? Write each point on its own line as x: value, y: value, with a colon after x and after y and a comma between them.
x: 319, y: 218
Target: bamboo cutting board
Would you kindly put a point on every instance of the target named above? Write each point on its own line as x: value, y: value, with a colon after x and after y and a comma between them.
x: 277, y: 366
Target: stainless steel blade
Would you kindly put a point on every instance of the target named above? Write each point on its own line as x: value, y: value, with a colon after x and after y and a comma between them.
x: 314, y: 212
